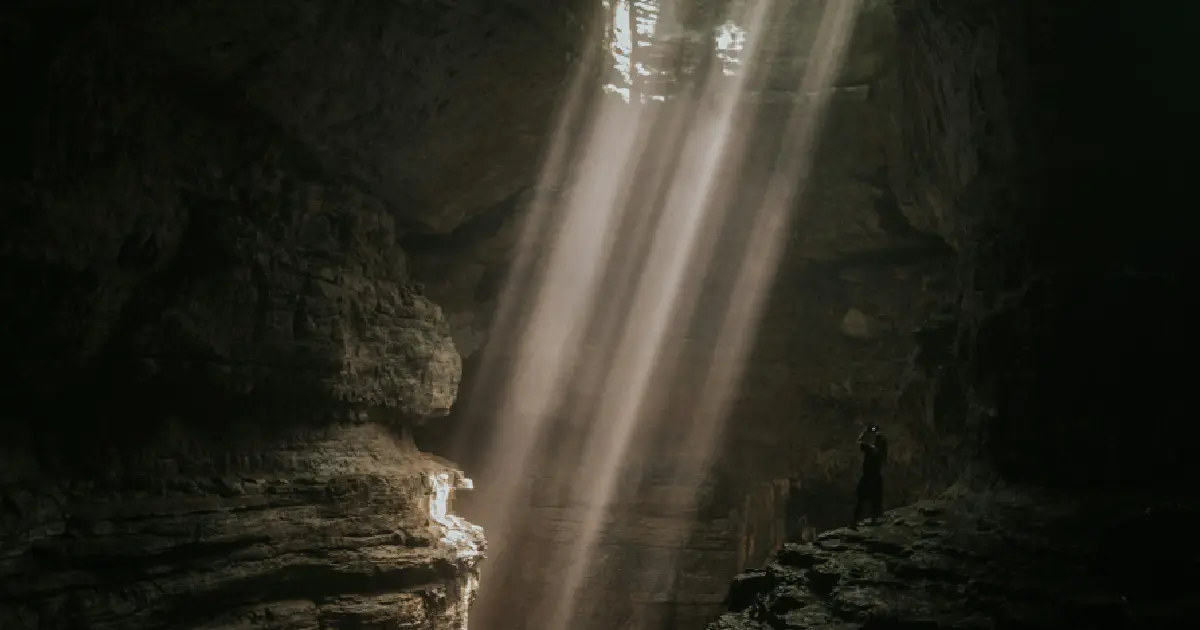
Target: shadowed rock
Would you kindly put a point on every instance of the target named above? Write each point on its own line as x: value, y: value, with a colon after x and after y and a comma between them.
x: 981, y: 561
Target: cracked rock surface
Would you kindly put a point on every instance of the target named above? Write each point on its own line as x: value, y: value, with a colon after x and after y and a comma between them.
x: 985, y: 561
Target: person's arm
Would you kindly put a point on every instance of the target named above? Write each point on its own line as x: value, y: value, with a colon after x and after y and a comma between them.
x: 863, y: 444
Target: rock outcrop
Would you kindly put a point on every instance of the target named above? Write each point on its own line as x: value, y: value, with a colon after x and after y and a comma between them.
x: 166, y: 232
x: 1004, y: 559
x: 341, y: 526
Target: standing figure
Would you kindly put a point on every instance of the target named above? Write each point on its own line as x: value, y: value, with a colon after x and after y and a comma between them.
x: 870, y: 485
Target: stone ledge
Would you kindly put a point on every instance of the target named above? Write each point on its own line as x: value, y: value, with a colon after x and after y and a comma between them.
x: 339, y: 528
x: 985, y: 561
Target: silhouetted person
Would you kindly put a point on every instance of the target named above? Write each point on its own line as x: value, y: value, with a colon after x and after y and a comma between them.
x: 870, y: 485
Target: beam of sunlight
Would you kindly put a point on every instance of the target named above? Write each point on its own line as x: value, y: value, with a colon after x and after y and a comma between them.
x: 765, y: 244
x: 550, y: 335
x: 505, y: 463
x: 629, y: 226
x: 762, y: 250
x: 657, y: 303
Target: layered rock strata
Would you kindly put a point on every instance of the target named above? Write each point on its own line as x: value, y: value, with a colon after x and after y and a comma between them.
x: 342, y: 526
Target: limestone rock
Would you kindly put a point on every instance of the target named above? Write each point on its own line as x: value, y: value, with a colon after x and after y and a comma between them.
x: 389, y: 94
x: 329, y: 528
x: 173, y: 238
x: 212, y: 340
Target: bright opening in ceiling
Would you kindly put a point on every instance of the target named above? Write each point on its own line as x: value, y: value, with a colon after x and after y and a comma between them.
x: 648, y: 55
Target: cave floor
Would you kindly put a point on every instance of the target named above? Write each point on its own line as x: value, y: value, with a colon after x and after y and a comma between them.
x: 995, y: 560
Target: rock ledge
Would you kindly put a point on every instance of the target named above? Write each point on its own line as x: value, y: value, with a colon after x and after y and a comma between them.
x: 985, y: 561
x: 346, y: 526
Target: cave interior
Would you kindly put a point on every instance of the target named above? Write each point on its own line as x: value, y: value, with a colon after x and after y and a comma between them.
x: 252, y: 257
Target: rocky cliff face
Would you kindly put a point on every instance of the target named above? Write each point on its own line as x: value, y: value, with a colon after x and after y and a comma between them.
x: 335, y: 526
x: 212, y: 338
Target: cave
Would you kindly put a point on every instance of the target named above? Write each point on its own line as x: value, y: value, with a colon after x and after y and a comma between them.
x: 256, y: 257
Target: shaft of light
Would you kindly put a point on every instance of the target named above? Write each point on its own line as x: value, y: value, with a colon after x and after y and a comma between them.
x: 522, y: 271
x: 763, y: 250
x: 662, y: 207
x: 641, y: 221
x: 550, y: 338
x: 772, y: 221
x: 506, y: 461
x: 765, y: 244
x: 563, y: 298
x: 657, y: 302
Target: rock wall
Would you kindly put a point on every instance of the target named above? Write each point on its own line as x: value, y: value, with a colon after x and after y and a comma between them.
x: 764, y: 526
x: 1031, y: 144
x: 836, y: 348
x: 334, y: 526
x: 1015, y: 144
x: 382, y: 93
x: 212, y: 338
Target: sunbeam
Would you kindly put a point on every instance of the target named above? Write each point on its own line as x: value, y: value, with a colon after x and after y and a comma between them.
x: 617, y: 258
